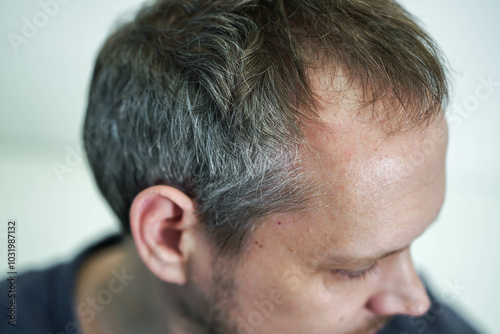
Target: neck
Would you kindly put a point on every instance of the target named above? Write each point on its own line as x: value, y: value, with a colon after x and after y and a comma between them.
x: 138, y: 302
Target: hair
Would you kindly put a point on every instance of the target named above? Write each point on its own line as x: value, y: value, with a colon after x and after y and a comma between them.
x: 209, y: 97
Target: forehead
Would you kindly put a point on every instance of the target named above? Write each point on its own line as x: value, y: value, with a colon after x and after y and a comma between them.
x: 377, y: 193
x: 355, y: 159
x: 360, y: 154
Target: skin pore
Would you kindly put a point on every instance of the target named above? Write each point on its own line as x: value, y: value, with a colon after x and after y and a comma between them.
x: 343, y: 266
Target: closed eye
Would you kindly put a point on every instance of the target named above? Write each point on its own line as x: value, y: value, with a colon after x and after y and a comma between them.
x: 355, y: 274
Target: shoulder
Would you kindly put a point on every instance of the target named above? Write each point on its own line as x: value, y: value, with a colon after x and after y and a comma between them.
x: 42, y: 301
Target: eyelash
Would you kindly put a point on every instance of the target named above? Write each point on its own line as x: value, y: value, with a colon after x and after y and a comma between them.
x: 353, y: 275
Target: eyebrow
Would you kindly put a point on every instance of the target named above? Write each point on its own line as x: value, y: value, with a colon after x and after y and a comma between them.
x: 397, y: 251
x: 343, y: 260
x: 336, y: 260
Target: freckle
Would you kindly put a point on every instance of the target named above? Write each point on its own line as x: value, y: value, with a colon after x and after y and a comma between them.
x: 256, y: 242
x: 376, y: 149
x: 260, y: 246
x: 341, y: 319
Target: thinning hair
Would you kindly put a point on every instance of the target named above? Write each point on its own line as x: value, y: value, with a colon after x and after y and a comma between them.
x: 209, y: 97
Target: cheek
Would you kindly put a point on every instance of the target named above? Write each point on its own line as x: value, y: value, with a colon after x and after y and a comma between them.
x: 290, y: 300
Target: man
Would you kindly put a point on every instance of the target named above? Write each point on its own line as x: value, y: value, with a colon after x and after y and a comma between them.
x: 271, y: 163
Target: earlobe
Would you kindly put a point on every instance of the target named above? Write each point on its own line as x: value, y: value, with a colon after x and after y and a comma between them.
x: 162, y: 219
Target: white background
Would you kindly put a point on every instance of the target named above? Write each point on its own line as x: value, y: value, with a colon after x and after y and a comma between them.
x: 43, y: 89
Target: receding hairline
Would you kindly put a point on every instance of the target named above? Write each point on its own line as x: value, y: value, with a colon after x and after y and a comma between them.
x: 334, y: 94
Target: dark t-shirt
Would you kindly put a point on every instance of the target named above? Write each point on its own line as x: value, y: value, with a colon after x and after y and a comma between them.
x: 44, y: 304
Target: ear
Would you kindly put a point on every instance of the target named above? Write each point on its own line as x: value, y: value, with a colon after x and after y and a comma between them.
x: 162, y: 221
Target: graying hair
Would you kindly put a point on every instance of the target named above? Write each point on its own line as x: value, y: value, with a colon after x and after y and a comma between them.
x: 209, y: 97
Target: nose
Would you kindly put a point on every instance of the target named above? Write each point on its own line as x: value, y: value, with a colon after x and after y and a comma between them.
x: 400, y: 291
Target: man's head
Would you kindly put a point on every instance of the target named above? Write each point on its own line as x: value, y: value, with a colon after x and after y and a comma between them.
x: 269, y: 152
